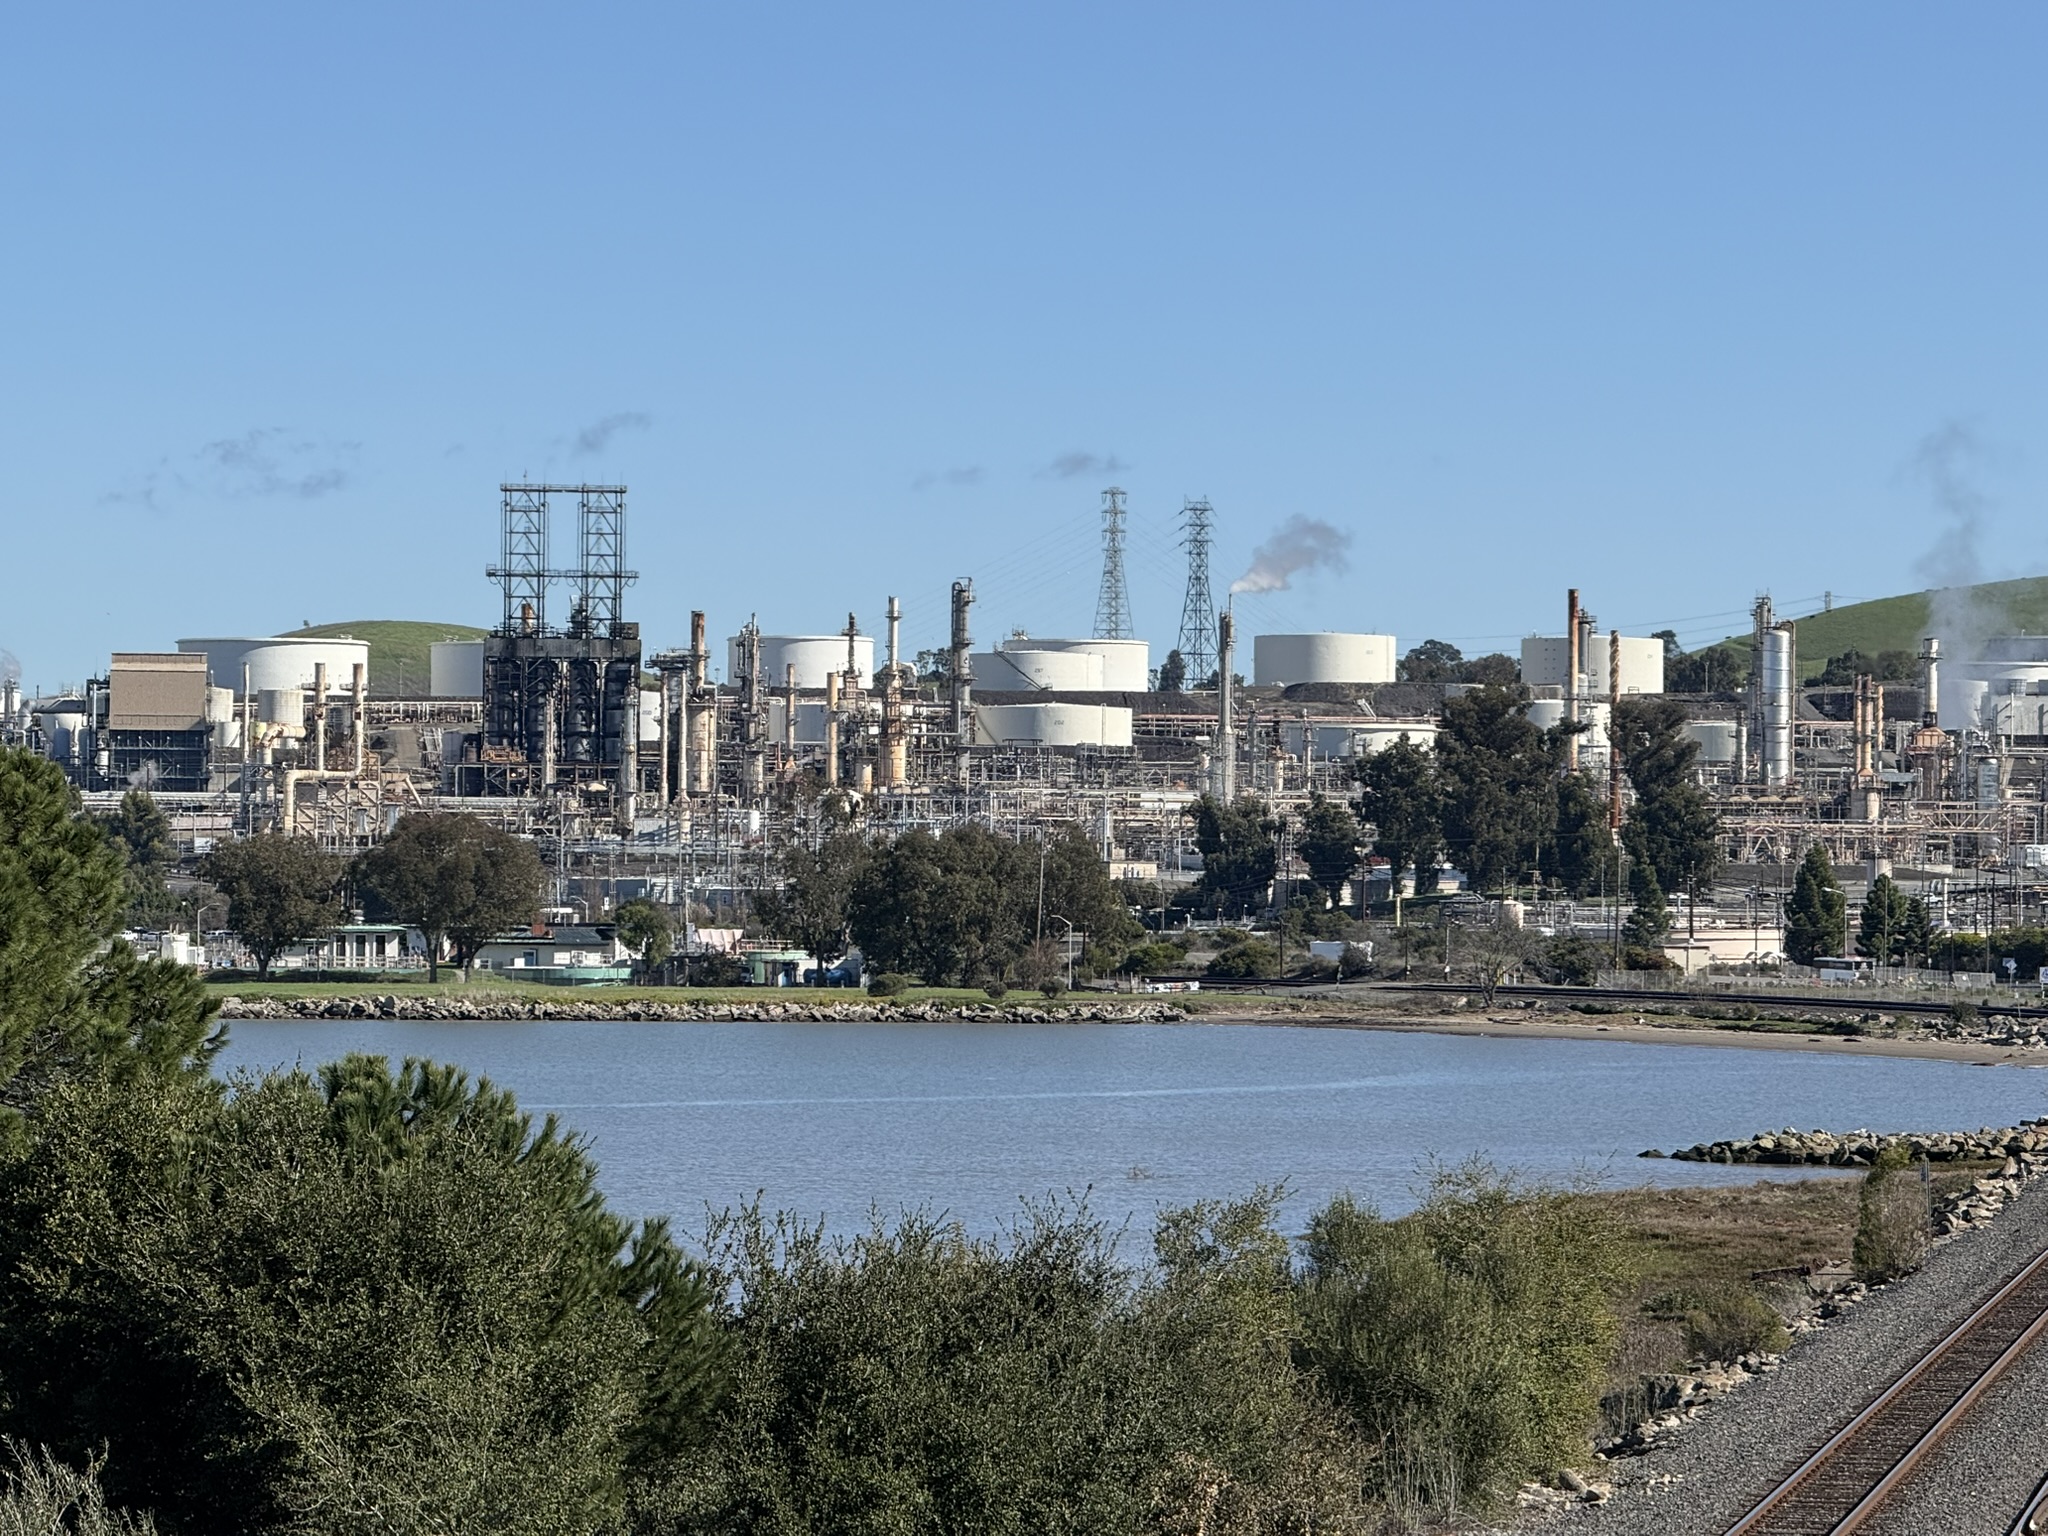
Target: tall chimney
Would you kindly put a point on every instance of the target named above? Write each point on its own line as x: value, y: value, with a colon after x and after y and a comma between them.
x: 963, y: 678
x: 1574, y: 667
x: 1930, y: 681
x: 1226, y: 738
x: 359, y: 688
x: 1613, y: 743
x: 831, y: 727
x: 320, y: 716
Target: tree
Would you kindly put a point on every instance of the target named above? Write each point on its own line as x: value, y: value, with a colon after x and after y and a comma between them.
x: 457, y: 879
x: 1916, y: 938
x: 1816, y: 920
x: 74, y: 997
x: 1673, y: 826
x: 1238, y: 853
x: 1495, y: 671
x: 813, y: 908
x: 1433, y: 661
x: 1492, y: 952
x: 1173, y: 673
x: 279, y: 890
x: 1883, y: 927
x: 1499, y: 773
x: 647, y: 930
x: 142, y: 833
x: 1401, y: 800
x: 1649, y: 920
x: 1328, y: 845
x: 1720, y: 668
x: 373, y: 1300
x: 1584, y: 858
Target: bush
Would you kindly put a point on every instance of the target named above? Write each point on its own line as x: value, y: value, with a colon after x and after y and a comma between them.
x: 1318, y: 968
x: 1357, y: 961
x: 914, y: 1378
x: 41, y: 1496
x: 1569, y: 961
x: 1894, y: 1220
x: 997, y: 991
x: 1051, y: 988
x: 1724, y: 1323
x: 1253, y: 960
x: 891, y: 984
x: 1469, y: 1340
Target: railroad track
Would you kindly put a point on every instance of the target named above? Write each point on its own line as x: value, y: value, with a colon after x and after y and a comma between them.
x: 1849, y: 1479
x: 2033, y: 1520
x: 1849, y: 1001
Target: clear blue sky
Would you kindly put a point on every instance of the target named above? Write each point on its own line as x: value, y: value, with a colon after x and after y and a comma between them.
x: 1662, y: 301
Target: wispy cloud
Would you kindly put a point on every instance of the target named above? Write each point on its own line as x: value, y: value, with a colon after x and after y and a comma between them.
x: 595, y: 437
x: 262, y: 463
x: 1069, y: 466
x: 971, y: 475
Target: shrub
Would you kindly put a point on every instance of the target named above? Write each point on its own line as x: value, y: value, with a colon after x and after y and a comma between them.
x: 1318, y: 968
x: 1723, y: 1323
x: 997, y: 991
x: 1894, y: 1225
x: 1468, y: 1340
x: 1253, y: 960
x: 1357, y: 961
x: 891, y: 984
x: 1051, y: 988
x: 41, y: 1496
x: 1569, y: 961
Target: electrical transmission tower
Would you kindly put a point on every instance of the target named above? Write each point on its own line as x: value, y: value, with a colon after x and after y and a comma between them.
x: 1113, y: 603
x: 1197, y: 611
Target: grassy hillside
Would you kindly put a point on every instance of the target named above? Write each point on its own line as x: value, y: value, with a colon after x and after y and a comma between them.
x: 398, y: 649
x: 1900, y: 623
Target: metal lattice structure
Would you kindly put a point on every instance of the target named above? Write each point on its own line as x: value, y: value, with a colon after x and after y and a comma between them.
x: 522, y: 568
x: 601, y: 529
x: 1197, y: 645
x: 1113, y: 602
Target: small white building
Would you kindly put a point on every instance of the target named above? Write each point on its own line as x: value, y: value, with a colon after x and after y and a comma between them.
x: 563, y: 953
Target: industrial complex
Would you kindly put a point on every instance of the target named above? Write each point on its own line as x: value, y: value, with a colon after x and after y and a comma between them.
x: 648, y: 770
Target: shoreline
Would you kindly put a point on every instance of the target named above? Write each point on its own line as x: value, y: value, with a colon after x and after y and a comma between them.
x: 1676, y: 1032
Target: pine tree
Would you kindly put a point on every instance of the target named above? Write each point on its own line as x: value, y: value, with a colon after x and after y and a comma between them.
x: 1649, y: 924
x: 1816, y: 914
x: 1882, y: 930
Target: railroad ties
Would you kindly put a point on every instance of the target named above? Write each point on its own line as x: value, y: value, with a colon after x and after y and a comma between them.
x: 1848, y: 1480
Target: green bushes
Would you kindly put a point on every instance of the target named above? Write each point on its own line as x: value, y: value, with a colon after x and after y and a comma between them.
x: 1468, y: 1340
x: 891, y: 984
x: 1251, y: 960
x: 1722, y: 1323
x: 41, y: 1496
x: 1894, y: 1219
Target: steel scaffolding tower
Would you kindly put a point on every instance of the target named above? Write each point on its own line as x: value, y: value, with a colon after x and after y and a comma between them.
x: 601, y: 581
x: 1198, y: 610
x: 1113, y: 602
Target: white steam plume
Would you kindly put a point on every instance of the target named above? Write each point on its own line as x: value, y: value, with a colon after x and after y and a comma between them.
x: 1950, y: 460
x: 1300, y: 544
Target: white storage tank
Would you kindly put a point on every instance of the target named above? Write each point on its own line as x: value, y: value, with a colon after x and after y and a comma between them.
x: 1546, y: 661
x: 1715, y: 739
x: 282, y: 706
x: 813, y: 656
x: 1126, y: 664
x: 1053, y: 725
x: 1025, y: 671
x: 1322, y: 658
x: 279, y: 661
x: 455, y: 669
x: 650, y: 715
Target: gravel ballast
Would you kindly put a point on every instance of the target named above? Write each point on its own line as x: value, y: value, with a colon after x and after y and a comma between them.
x: 1698, y: 1479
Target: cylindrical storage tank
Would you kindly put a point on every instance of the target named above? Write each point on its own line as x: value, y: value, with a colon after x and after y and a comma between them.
x: 455, y: 669
x: 1546, y: 714
x: 1715, y: 738
x: 650, y: 715
x: 279, y: 661
x: 282, y: 706
x: 1778, y: 695
x: 63, y: 731
x: 1126, y: 664
x: 813, y: 656
x: 1053, y: 725
x: 1024, y: 671
x: 1322, y: 658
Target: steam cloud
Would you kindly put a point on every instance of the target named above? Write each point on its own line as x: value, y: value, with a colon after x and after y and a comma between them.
x: 593, y: 438
x: 970, y: 475
x: 1950, y: 460
x: 262, y: 462
x: 10, y: 669
x: 1301, y: 544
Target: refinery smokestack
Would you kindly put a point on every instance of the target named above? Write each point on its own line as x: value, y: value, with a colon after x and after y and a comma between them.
x: 1930, y: 681
x: 1226, y: 730
x: 963, y: 677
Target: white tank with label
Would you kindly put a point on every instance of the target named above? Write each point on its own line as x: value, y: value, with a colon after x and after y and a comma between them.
x: 1022, y: 670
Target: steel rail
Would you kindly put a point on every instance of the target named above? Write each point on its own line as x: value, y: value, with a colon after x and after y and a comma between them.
x: 2033, y: 1520
x: 1803, y: 1504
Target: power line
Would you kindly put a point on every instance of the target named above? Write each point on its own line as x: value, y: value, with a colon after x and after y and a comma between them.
x: 1113, y: 603
x: 1198, y: 609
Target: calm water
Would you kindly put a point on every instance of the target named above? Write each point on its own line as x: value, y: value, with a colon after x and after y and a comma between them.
x: 830, y: 1119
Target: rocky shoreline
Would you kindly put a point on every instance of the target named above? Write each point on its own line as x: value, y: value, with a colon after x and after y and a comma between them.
x: 585, y: 1009
x: 2025, y: 1146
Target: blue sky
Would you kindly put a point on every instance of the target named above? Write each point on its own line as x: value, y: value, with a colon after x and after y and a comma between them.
x: 1666, y: 302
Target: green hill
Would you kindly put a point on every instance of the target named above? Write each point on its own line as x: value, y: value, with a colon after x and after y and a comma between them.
x: 1900, y: 623
x: 398, y: 649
